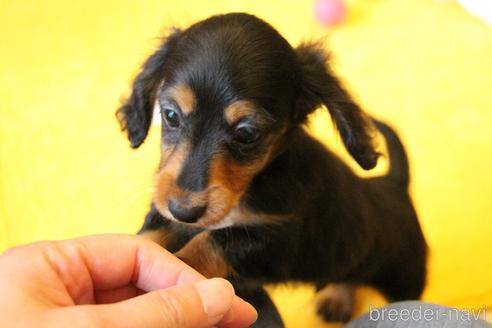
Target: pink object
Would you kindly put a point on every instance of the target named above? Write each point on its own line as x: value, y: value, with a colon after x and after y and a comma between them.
x: 330, y: 12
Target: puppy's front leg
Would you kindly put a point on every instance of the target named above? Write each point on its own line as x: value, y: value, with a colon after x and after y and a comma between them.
x: 159, y: 236
x: 155, y: 228
x: 204, y: 255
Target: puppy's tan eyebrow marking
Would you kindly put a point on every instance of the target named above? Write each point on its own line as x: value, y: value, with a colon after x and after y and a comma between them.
x: 184, y: 97
x: 239, y: 109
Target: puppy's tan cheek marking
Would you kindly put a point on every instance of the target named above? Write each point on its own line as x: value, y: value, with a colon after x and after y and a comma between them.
x: 239, y: 109
x: 228, y: 182
x: 166, y: 151
x: 203, y: 256
x: 185, y: 98
x: 165, y: 179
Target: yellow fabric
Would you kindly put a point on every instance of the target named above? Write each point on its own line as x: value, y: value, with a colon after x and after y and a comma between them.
x: 66, y: 171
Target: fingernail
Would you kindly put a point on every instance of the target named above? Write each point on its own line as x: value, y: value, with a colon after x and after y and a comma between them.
x: 216, y: 295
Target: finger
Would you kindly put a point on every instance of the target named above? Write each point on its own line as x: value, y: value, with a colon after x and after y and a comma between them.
x: 118, y: 260
x: 105, y: 262
x: 202, y: 304
x: 239, y: 317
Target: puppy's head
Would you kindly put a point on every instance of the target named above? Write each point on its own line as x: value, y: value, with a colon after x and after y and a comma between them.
x: 229, y: 88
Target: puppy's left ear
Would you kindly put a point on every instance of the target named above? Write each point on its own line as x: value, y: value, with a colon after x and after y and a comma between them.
x: 135, y: 114
x: 319, y: 86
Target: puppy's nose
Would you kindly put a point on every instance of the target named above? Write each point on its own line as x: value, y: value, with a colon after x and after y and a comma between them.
x: 185, y: 214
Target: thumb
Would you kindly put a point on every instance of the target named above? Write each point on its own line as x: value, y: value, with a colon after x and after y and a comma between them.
x: 203, y: 304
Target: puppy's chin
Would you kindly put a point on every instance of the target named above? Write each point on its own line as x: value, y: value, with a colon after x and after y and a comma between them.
x: 166, y: 214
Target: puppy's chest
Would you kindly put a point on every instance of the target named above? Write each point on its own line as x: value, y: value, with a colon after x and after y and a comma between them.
x: 231, y: 229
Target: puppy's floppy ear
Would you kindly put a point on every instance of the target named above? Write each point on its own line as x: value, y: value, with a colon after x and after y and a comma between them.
x: 135, y: 114
x: 319, y: 86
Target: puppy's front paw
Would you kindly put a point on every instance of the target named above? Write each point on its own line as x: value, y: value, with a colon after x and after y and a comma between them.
x: 335, y: 303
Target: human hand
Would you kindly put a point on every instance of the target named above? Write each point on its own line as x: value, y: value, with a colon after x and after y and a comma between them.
x: 111, y: 281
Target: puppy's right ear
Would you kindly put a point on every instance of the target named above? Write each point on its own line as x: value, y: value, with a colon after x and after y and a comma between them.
x: 135, y: 114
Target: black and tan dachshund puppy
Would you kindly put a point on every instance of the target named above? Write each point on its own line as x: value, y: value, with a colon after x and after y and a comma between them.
x: 243, y: 192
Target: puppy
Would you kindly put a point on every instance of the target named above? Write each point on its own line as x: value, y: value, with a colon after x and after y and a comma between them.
x: 243, y: 192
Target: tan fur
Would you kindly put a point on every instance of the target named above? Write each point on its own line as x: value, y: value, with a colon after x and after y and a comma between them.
x: 184, y: 97
x: 165, y: 179
x: 158, y: 236
x: 239, y: 109
x: 228, y: 182
x: 203, y: 257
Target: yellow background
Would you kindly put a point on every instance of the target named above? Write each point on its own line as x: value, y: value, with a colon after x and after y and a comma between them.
x: 66, y: 170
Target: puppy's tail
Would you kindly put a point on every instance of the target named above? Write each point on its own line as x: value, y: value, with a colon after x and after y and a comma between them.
x: 398, y: 167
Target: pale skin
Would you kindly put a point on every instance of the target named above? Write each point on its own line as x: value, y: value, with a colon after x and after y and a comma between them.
x: 112, y: 281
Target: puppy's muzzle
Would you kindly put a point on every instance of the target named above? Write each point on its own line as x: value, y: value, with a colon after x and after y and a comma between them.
x: 185, y: 214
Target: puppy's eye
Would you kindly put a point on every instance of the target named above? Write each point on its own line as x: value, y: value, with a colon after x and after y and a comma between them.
x: 246, y: 134
x: 172, y: 118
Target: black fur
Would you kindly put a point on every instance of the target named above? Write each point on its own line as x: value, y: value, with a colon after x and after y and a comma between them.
x: 337, y: 227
